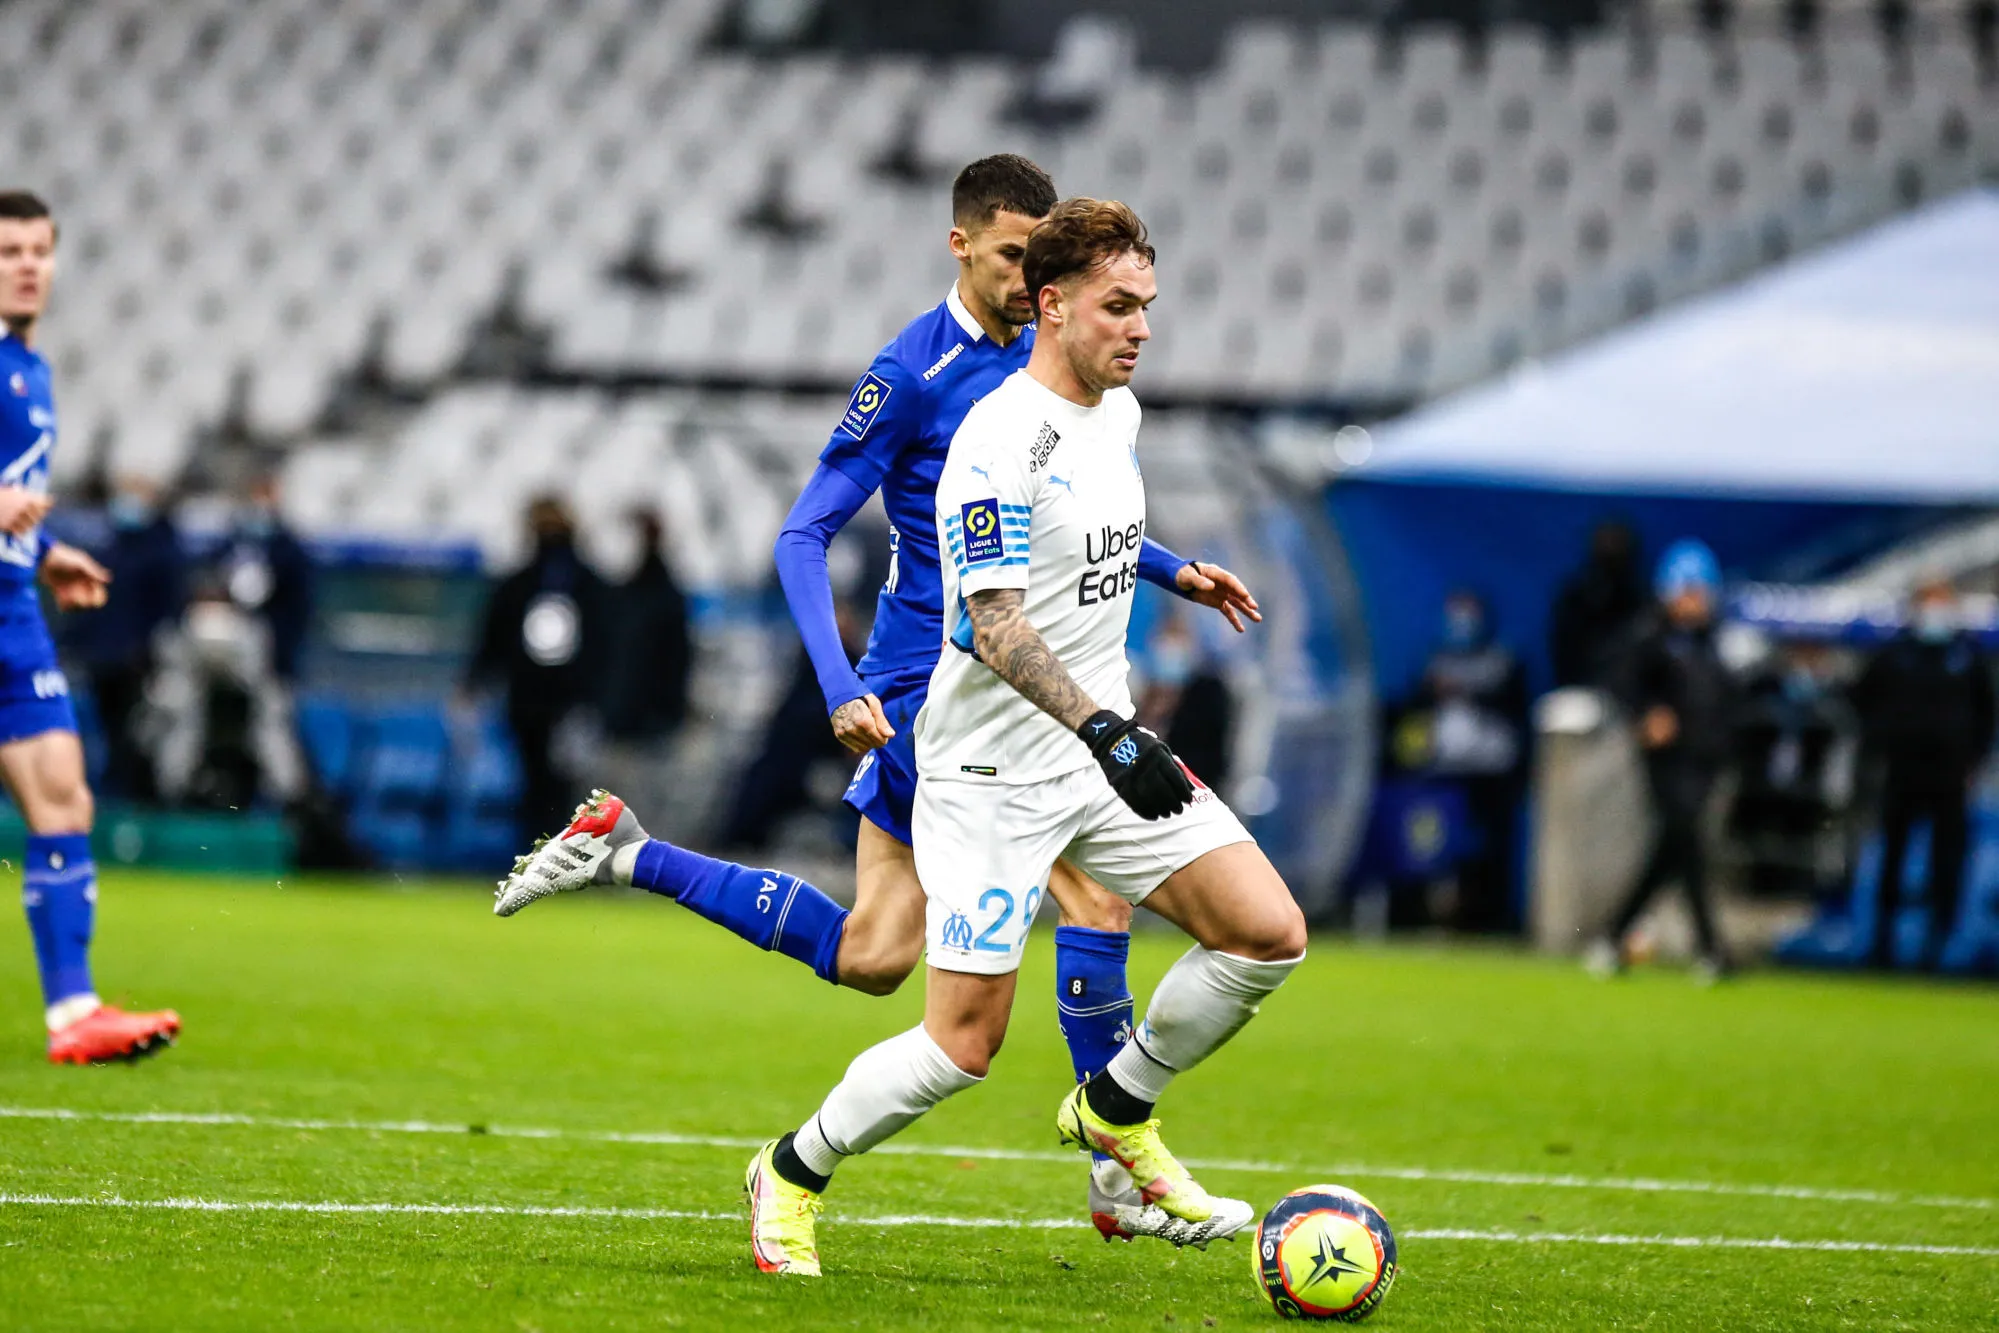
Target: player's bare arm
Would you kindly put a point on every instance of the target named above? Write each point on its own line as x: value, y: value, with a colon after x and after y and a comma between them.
x: 1018, y: 655
x: 1213, y: 586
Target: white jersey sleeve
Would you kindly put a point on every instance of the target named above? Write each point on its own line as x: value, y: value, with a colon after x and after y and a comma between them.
x: 985, y: 508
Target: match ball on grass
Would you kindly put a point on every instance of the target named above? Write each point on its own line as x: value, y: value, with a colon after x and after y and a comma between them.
x: 1324, y: 1252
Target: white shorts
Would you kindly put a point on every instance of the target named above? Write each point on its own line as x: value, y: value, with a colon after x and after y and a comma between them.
x: 984, y: 850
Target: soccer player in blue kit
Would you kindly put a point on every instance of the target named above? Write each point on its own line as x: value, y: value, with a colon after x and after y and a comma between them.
x: 893, y: 438
x: 41, y: 760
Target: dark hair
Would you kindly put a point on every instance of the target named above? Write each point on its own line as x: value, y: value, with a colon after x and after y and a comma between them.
x: 25, y: 206
x: 1076, y: 237
x: 1003, y: 182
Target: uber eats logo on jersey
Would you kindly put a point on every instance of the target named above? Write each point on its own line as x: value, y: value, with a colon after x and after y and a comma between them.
x: 1100, y: 547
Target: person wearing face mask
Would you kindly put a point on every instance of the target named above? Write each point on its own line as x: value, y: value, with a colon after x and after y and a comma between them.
x: 543, y: 631
x: 1187, y: 700
x: 1926, y: 710
x: 117, y: 644
x: 1684, y: 701
x: 269, y: 575
x: 1797, y: 745
x: 1475, y: 694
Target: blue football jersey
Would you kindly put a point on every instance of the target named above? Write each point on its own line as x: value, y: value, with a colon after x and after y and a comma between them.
x: 27, y: 438
x: 893, y: 438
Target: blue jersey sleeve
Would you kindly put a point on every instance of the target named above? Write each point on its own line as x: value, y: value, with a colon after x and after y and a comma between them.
x: 828, y: 501
x: 1157, y: 565
x: 883, y: 416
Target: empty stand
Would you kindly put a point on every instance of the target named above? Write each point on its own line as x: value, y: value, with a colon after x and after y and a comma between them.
x: 258, y: 198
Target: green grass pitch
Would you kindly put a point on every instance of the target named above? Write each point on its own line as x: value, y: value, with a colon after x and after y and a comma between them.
x: 1498, y: 1108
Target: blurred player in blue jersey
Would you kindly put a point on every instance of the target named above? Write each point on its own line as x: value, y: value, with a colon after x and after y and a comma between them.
x: 41, y: 761
x: 893, y: 438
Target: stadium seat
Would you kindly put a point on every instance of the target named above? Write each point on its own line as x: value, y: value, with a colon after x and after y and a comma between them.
x: 326, y: 729
x: 1300, y: 149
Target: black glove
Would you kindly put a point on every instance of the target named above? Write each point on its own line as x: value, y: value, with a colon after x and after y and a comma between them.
x: 1140, y: 767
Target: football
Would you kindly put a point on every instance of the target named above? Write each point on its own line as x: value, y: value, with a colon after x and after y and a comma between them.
x: 1324, y: 1252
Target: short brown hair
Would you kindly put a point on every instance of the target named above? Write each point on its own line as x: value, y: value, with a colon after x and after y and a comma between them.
x: 1004, y: 181
x: 24, y: 206
x: 1077, y: 236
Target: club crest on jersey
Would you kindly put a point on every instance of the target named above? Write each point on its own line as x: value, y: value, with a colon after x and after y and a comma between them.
x: 19, y: 384
x: 865, y: 405
x: 980, y: 520
x: 957, y: 933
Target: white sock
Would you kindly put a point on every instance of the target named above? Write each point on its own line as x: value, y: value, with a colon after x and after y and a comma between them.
x: 64, y: 1012
x: 887, y: 1088
x: 625, y: 860
x: 1202, y: 1001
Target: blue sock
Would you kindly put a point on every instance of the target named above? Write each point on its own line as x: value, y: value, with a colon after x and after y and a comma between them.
x: 769, y: 909
x: 1092, y: 1002
x: 60, y: 893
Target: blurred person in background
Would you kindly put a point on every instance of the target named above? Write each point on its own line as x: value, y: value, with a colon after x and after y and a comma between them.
x: 1926, y: 710
x: 1796, y: 743
x: 1187, y: 700
x: 1595, y: 610
x: 41, y: 759
x: 1475, y: 692
x: 544, y: 630
x: 268, y: 573
x: 652, y: 652
x: 227, y: 737
x: 117, y: 645
x: 1683, y: 699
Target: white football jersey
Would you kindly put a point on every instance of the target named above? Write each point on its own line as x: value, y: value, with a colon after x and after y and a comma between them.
x: 1040, y: 494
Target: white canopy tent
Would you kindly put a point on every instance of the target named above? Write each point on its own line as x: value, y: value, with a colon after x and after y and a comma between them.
x: 1866, y: 371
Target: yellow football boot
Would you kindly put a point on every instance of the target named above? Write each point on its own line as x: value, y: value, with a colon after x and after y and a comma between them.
x: 1155, y: 1173
x: 783, y: 1219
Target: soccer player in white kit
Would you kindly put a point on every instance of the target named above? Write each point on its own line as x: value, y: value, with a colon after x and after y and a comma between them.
x: 1027, y: 751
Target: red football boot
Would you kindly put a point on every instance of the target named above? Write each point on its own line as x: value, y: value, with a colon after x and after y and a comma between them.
x: 113, y: 1034
x: 576, y: 858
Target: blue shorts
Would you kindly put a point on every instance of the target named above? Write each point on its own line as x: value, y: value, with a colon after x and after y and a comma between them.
x: 34, y: 693
x: 884, y: 785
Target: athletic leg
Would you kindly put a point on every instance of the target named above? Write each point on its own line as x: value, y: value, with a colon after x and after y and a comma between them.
x: 888, y: 1087
x: 44, y: 774
x: 982, y: 854
x: 871, y: 950
x: 1249, y: 935
x: 1092, y: 998
x: 883, y: 936
x: 1200, y: 870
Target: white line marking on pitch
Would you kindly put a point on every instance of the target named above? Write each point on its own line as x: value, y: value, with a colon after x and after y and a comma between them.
x: 927, y: 1220
x: 1629, y: 1184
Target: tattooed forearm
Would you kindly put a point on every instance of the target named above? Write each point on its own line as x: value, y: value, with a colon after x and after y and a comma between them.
x: 1018, y: 654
